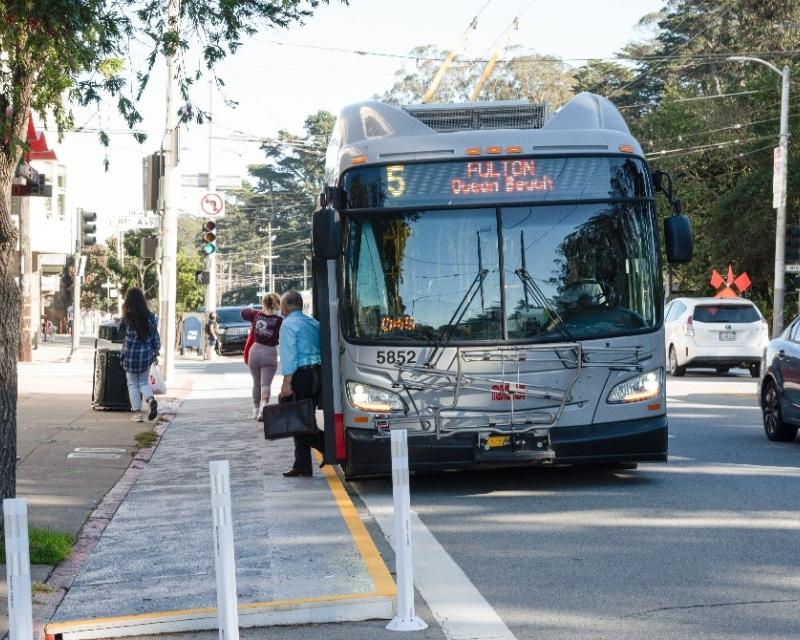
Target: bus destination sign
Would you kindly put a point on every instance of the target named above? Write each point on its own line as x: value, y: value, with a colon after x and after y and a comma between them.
x: 494, y: 176
x: 493, y: 181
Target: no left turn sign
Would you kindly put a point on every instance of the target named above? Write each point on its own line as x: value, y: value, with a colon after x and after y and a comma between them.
x: 212, y: 204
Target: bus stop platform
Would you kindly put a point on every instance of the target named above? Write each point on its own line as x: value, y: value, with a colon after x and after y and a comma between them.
x: 303, y: 555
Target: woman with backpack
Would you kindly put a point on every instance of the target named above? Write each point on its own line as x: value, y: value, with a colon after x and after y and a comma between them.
x: 263, y: 355
x: 139, y: 350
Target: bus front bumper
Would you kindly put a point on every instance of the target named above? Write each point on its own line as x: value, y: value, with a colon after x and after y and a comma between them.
x: 612, y: 442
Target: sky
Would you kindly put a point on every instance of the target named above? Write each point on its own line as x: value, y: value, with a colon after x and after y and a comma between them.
x: 281, y: 76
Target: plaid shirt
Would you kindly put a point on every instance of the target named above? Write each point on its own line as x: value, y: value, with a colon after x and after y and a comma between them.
x: 137, y: 356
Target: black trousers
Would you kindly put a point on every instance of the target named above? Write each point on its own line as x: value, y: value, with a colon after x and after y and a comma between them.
x: 305, y: 384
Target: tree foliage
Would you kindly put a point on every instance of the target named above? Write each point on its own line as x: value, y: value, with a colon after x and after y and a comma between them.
x: 283, y: 193
x: 57, y: 54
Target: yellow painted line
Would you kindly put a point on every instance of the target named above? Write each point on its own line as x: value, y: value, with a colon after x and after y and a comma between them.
x: 378, y: 571
x: 61, y: 627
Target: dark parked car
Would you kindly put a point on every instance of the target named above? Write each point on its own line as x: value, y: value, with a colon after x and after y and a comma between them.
x: 232, y: 330
x: 779, y: 390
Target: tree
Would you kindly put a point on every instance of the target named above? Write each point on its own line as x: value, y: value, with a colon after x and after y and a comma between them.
x: 284, y: 194
x: 77, y: 48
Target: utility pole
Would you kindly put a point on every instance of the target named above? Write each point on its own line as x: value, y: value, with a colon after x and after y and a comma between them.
x: 779, y: 193
x: 76, y: 286
x: 270, y: 257
x: 25, y: 269
x: 169, y: 185
x: 264, y: 273
x: 271, y: 278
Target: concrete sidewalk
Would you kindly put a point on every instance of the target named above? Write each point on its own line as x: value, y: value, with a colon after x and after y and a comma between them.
x: 302, y: 552
x: 55, y: 419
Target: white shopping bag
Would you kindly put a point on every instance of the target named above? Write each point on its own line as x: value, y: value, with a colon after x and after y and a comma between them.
x: 156, y: 381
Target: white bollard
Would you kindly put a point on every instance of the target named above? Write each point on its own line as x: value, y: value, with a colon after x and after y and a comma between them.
x: 406, y: 618
x: 224, y: 560
x: 18, y: 569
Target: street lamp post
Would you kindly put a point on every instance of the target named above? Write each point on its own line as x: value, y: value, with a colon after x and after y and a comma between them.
x: 780, y: 221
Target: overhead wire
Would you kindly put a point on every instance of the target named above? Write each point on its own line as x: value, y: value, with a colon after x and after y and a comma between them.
x: 668, y: 153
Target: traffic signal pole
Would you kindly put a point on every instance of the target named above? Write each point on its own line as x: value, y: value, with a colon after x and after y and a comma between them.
x: 169, y: 227
x: 211, y: 258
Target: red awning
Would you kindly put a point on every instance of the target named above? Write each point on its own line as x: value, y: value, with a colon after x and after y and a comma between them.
x: 38, y: 145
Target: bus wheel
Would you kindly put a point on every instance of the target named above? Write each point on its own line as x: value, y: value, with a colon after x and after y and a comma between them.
x: 674, y: 369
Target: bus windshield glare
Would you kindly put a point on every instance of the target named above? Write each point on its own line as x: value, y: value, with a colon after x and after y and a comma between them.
x: 531, y: 273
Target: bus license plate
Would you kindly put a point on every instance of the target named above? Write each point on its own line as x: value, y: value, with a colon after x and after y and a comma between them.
x: 497, y: 441
x: 727, y: 336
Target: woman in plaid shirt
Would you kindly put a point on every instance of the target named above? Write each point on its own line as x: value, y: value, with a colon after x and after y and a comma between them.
x: 139, y: 350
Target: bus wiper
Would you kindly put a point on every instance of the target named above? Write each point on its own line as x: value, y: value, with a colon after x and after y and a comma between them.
x: 534, y: 291
x: 455, y: 319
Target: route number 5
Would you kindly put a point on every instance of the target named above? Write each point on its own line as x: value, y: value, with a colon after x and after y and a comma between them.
x: 396, y: 183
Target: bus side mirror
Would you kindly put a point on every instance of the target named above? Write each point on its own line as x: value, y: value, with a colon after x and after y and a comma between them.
x: 678, y: 239
x: 325, y: 234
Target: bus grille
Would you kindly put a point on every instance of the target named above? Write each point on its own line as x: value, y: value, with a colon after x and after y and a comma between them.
x: 469, y: 117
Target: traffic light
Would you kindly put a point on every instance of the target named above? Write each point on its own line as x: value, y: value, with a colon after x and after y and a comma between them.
x: 209, y: 237
x: 792, y: 243
x: 88, y: 228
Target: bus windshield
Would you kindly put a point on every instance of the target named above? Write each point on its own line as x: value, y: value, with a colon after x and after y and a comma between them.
x: 534, y: 273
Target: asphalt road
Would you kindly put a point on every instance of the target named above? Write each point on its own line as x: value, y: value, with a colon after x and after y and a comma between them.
x: 703, y: 547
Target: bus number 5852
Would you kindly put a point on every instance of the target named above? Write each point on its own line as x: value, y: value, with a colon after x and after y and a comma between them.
x: 396, y: 357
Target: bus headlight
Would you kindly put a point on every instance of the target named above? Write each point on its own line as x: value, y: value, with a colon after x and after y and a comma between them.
x: 365, y: 397
x: 642, y: 387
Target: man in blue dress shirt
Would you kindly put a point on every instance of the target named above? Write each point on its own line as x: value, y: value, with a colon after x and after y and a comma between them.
x: 298, y: 346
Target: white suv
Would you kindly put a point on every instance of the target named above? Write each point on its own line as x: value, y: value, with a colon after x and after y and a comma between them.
x: 714, y: 332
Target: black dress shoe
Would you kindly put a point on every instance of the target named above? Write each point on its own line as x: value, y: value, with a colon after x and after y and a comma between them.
x: 297, y: 473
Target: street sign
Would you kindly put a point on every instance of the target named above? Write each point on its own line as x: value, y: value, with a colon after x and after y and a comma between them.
x: 793, y: 268
x: 212, y: 204
x: 778, y: 170
x: 137, y: 221
x: 200, y: 181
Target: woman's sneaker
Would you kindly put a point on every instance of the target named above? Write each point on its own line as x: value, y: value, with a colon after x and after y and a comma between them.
x: 137, y: 417
x: 153, y: 409
x: 260, y: 416
x: 256, y: 413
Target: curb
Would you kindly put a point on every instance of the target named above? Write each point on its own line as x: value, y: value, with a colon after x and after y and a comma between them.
x: 62, y: 577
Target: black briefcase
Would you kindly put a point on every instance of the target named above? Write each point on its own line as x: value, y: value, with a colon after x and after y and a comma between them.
x: 290, y: 418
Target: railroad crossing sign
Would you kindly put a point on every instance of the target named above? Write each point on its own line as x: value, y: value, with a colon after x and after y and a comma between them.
x: 212, y: 204
x: 731, y: 286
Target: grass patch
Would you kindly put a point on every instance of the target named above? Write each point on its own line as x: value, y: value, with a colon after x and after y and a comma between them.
x: 145, y: 438
x: 40, y: 587
x: 46, y: 546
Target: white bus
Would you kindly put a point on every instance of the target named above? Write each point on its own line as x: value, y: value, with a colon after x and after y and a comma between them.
x: 489, y: 278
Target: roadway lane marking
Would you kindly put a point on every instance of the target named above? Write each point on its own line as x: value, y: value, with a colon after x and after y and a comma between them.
x: 459, y: 608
